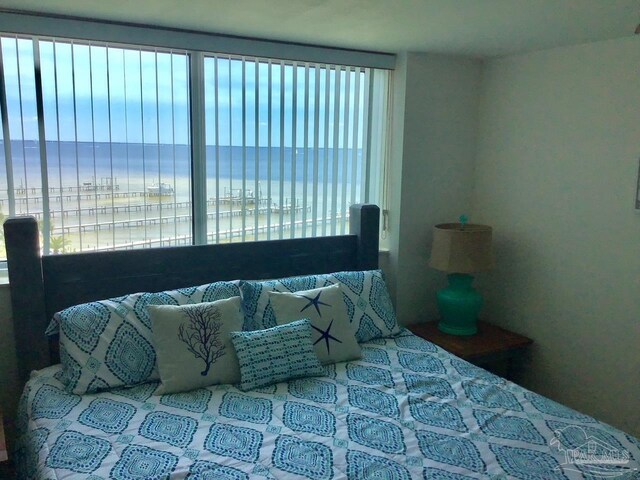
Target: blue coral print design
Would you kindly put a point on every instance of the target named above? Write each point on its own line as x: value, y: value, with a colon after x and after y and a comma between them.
x: 390, y: 415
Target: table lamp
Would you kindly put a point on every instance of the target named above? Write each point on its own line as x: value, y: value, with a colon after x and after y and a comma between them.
x: 460, y: 249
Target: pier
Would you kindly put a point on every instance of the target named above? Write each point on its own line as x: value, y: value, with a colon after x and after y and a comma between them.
x: 142, y: 222
x: 105, y: 216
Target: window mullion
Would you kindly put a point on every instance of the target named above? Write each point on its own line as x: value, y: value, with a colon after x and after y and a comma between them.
x: 257, y: 196
x: 6, y: 136
x: 216, y: 103
x: 46, y: 223
x: 366, y: 145
x: 294, y: 149
x: 281, y: 175
x: 345, y: 151
x: 198, y: 148
x: 354, y: 140
x: 243, y: 200
x: 316, y: 152
x: 335, y: 150
x: 269, y: 133
x: 305, y: 175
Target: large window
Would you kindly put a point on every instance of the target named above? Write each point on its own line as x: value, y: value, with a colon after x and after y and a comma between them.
x: 117, y: 146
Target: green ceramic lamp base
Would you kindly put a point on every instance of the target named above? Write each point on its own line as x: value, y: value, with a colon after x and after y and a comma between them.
x: 459, y: 304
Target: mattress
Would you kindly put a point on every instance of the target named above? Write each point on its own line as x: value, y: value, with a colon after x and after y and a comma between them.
x: 406, y: 410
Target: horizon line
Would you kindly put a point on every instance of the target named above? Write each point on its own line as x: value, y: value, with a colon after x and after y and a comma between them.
x: 175, y: 144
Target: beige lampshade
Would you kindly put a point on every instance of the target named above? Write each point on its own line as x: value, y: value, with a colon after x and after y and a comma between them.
x: 458, y: 249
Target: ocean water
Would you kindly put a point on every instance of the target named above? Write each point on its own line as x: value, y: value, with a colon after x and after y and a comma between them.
x: 71, y: 163
x: 135, y: 167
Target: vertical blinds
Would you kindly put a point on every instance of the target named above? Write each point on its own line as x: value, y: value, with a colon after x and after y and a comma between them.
x: 118, y: 146
x: 96, y: 143
x: 287, y: 151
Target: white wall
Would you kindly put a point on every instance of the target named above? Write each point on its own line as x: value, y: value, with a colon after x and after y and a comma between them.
x: 558, y: 148
x: 432, y: 169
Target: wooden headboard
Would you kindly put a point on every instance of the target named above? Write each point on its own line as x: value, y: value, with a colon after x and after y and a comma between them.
x: 44, y: 284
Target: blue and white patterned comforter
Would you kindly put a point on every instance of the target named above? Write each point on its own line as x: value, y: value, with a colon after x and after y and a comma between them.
x: 406, y: 410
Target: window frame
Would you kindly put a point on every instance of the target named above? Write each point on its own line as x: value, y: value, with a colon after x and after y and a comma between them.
x: 196, y: 45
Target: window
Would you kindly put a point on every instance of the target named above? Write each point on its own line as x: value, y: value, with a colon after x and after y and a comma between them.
x: 115, y: 146
x: 111, y: 142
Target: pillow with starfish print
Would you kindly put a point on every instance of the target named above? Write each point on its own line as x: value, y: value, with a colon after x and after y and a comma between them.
x: 333, y: 337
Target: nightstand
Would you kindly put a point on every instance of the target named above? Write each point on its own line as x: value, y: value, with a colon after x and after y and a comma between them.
x: 493, y: 348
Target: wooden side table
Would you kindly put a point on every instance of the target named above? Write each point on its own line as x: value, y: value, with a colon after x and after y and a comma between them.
x: 491, y: 346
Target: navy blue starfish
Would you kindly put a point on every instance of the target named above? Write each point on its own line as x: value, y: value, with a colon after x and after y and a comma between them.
x: 325, y: 335
x: 315, y: 302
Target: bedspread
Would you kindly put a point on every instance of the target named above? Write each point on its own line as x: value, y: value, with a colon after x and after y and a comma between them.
x: 407, y: 409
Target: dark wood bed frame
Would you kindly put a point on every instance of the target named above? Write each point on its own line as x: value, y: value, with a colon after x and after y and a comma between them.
x: 44, y: 284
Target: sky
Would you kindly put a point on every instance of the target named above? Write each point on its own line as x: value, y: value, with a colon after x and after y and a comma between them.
x: 127, y: 95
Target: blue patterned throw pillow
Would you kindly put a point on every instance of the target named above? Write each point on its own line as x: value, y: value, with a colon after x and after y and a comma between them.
x: 368, y: 303
x: 108, y: 343
x: 276, y: 354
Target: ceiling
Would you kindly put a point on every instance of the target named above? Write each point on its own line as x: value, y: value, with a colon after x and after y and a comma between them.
x: 481, y: 28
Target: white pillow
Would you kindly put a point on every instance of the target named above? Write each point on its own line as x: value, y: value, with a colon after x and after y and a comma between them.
x: 193, y: 346
x: 333, y: 337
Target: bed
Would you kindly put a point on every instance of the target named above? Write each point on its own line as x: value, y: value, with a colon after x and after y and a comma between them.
x: 406, y: 409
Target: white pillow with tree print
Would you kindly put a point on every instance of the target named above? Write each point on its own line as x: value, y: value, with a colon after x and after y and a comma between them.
x: 333, y: 337
x: 192, y: 344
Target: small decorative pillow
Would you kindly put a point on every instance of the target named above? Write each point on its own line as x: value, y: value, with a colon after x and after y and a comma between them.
x: 333, y: 338
x: 276, y: 354
x: 107, y: 343
x: 192, y: 344
x: 365, y: 294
